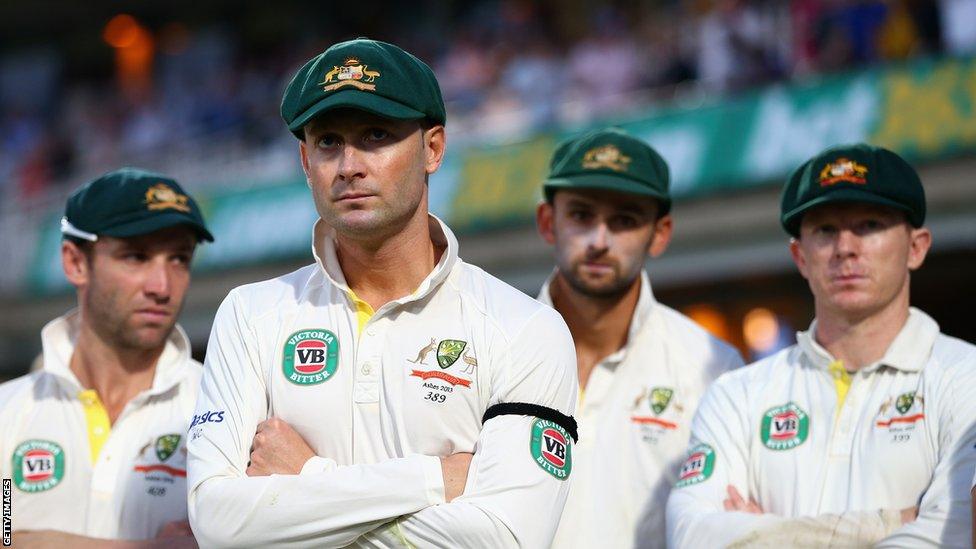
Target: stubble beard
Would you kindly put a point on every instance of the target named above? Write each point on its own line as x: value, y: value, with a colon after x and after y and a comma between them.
x: 607, y: 291
x: 109, y: 321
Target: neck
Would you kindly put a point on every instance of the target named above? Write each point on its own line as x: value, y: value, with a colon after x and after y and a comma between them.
x: 860, y: 340
x: 379, y: 273
x: 117, y: 375
x: 599, y: 325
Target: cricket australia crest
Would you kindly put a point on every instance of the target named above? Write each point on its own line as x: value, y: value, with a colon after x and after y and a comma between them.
x: 351, y: 73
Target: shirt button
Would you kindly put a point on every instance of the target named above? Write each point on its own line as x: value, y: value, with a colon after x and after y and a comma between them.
x: 367, y: 369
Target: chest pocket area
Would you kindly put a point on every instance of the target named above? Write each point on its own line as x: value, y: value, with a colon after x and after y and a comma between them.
x: 899, y: 428
x: 160, y: 466
x: 156, y: 491
x: 656, y: 414
x: 441, y: 402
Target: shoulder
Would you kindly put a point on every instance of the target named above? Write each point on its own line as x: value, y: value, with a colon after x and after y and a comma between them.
x: 753, y: 378
x: 192, y: 372
x: 16, y: 391
x: 952, y: 351
x: 276, y: 292
x: 505, y: 308
x: 952, y: 362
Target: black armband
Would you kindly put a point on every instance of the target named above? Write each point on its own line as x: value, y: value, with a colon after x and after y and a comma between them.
x: 535, y: 410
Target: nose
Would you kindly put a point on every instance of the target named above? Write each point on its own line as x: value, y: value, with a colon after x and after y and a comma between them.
x: 158, y: 281
x: 846, y: 244
x: 600, y: 237
x: 351, y: 164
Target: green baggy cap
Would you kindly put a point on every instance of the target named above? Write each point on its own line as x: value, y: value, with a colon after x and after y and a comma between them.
x: 367, y: 75
x: 609, y: 159
x: 130, y: 202
x: 852, y: 173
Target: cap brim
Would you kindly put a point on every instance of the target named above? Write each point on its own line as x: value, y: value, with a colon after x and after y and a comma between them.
x: 606, y: 182
x: 791, y: 221
x: 159, y: 222
x: 355, y: 99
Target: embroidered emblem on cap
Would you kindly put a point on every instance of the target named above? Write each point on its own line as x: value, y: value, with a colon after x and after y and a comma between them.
x: 162, y: 197
x: 843, y: 170
x: 606, y: 156
x: 351, y: 73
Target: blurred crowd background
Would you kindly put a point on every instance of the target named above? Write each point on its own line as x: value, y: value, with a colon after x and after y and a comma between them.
x: 192, y: 87
x: 205, y: 87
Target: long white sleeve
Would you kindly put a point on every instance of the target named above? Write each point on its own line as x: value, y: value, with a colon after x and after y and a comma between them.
x: 695, y: 514
x: 330, y: 505
x: 509, y: 499
x: 944, y: 518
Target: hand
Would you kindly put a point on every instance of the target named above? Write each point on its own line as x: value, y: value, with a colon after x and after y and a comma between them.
x: 735, y: 502
x: 455, y: 471
x: 909, y: 514
x: 175, y: 529
x: 277, y: 450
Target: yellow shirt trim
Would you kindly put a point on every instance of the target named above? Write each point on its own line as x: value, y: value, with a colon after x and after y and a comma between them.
x: 401, y: 537
x: 842, y: 381
x: 363, y: 312
x: 96, y: 417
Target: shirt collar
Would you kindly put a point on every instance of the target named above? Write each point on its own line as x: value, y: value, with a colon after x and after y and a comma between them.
x: 324, y: 250
x: 58, y: 341
x: 908, y: 352
x: 642, y: 312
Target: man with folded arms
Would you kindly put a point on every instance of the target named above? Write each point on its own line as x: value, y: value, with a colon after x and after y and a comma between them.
x: 389, y: 394
x: 862, y: 433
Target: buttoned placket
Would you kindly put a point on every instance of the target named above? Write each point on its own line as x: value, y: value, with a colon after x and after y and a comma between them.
x: 108, y: 479
x: 598, y: 387
x: 842, y: 432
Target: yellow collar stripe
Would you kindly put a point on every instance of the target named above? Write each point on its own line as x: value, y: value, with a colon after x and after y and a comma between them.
x: 363, y: 312
x: 842, y: 382
x: 96, y: 417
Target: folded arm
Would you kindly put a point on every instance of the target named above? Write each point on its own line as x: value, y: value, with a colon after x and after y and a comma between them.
x: 519, y: 478
x: 702, y: 511
x: 327, y: 504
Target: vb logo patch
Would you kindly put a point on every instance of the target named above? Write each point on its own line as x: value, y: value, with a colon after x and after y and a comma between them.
x: 784, y: 427
x: 38, y: 465
x: 551, y: 449
x: 310, y: 357
x: 697, y: 467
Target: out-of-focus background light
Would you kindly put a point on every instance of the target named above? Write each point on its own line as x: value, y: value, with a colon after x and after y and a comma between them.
x: 733, y: 93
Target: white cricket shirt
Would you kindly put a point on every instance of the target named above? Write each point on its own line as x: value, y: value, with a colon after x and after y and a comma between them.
x: 833, y: 457
x: 634, y: 422
x: 73, y: 472
x: 378, y: 396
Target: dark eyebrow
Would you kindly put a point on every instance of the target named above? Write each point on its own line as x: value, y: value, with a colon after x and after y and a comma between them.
x: 632, y: 208
x: 579, y: 203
